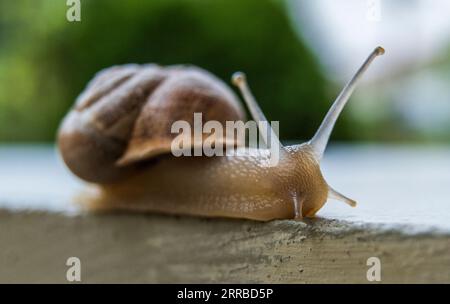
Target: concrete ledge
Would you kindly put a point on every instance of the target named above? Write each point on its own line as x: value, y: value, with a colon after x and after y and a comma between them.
x: 153, y: 249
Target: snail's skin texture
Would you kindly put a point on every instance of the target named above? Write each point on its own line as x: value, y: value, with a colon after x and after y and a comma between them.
x: 228, y: 186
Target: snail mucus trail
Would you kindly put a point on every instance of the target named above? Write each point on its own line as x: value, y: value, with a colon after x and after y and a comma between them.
x: 119, y: 140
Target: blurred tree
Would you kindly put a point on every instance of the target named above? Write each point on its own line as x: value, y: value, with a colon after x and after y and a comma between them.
x: 45, y: 61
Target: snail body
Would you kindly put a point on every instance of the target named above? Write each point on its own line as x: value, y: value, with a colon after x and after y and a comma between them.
x: 239, y: 186
x: 112, y: 140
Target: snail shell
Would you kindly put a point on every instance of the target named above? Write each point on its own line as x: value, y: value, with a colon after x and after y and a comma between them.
x: 124, y: 117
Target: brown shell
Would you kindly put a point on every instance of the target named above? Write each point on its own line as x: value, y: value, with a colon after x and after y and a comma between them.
x: 125, y: 115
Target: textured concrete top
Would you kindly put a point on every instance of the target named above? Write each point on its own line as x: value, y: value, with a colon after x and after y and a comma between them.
x: 404, y: 188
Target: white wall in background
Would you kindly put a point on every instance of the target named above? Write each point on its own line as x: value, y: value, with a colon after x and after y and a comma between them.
x: 416, y: 36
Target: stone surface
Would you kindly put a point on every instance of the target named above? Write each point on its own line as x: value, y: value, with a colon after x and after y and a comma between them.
x: 152, y: 248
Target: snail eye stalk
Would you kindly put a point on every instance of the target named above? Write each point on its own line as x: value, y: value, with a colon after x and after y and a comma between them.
x: 320, y: 139
x: 240, y: 81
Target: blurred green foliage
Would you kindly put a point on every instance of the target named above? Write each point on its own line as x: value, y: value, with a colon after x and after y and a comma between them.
x: 45, y: 61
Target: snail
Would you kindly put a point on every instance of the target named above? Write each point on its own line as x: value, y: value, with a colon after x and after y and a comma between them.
x: 118, y: 137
